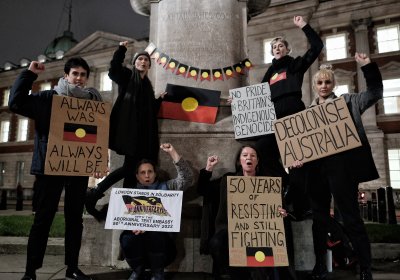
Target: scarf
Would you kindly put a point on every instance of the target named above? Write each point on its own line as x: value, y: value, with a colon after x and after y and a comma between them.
x: 67, y: 89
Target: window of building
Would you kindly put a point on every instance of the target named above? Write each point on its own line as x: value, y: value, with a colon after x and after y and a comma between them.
x: 394, y: 167
x: 20, y: 172
x: 336, y: 46
x: 6, y: 97
x: 341, y: 89
x: 388, y: 38
x: 45, y: 86
x: 4, y: 131
x: 105, y: 82
x: 267, y: 51
x: 22, y: 134
x: 2, y: 172
x: 391, y: 96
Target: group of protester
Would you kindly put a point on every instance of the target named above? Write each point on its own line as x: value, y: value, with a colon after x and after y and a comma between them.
x: 134, y: 134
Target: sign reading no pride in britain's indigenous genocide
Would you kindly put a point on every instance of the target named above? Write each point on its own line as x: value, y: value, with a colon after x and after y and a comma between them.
x: 253, y: 112
x: 148, y: 210
x: 317, y: 132
x: 255, y: 224
x: 78, y: 137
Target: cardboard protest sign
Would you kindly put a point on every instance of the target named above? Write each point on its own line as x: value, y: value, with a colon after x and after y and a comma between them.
x: 253, y: 112
x: 149, y: 210
x: 317, y: 132
x: 255, y: 225
x: 78, y: 137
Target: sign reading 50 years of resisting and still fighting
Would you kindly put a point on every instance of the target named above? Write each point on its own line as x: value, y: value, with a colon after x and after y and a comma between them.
x: 253, y: 112
x: 255, y: 223
x: 78, y: 137
x: 317, y: 132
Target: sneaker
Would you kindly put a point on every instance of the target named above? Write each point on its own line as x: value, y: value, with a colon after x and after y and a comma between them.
x: 365, y: 275
x: 76, y: 274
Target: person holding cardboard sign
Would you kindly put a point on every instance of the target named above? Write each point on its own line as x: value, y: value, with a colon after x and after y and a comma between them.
x: 48, y: 188
x: 285, y: 78
x: 133, y: 122
x: 338, y: 175
x: 214, y: 225
x: 152, y: 248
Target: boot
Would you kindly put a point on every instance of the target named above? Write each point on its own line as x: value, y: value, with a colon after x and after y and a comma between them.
x: 136, y: 267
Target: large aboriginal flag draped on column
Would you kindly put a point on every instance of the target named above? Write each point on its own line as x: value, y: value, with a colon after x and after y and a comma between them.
x: 190, y: 104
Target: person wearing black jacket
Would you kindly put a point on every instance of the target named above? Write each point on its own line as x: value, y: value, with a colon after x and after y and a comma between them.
x: 133, y: 122
x: 285, y: 78
x: 48, y: 188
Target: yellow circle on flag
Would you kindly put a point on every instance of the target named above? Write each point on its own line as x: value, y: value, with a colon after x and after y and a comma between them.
x: 182, y: 69
x: 247, y: 63
x: 172, y: 65
x: 228, y: 72
x: 80, y: 133
x: 204, y: 75
x: 259, y: 256
x: 189, y: 104
x: 238, y: 69
x: 163, y: 59
x: 193, y: 73
x: 217, y: 74
x: 274, y: 76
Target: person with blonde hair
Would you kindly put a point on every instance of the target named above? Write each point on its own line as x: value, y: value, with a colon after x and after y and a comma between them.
x: 338, y: 175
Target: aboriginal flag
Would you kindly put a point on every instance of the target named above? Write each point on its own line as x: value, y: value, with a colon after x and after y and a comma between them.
x: 217, y: 74
x: 172, y: 64
x: 228, y: 71
x: 238, y: 68
x: 80, y: 132
x: 247, y: 63
x: 205, y: 75
x: 156, y: 54
x: 260, y: 256
x: 193, y: 73
x: 163, y: 59
x: 190, y: 104
x: 182, y: 70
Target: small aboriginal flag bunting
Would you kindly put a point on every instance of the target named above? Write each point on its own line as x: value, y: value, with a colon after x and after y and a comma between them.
x: 247, y: 63
x: 228, y: 71
x: 193, y: 73
x: 172, y: 64
x: 163, y: 59
x: 260, y: 256
x: 238, y: 67
x: 80, y: 133
x: 217, y: 74
x: 182, y: 70
x: 190, y: 104
x: 150, y: 48
x: 205, y: 75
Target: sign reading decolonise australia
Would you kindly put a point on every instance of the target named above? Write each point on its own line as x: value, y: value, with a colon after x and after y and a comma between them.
x: 317, y: 132
x: 78, y: 137
x: 255, y: 224
x: 148, y: 210
x: 253, y: 112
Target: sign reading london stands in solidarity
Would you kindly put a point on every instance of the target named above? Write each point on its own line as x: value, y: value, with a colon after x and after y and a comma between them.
x: 317, y: 132
x: 253, y: 112
x: 148, y: 210
x: 255, y: 224
x: 78, y: 137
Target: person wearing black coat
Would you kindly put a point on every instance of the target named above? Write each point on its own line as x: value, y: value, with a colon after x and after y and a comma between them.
x: 285, y: 78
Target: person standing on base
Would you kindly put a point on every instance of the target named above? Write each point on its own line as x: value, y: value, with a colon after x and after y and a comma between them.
x: 48, y: 188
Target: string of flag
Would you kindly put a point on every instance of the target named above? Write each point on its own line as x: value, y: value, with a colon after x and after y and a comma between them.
x: 196, y: 73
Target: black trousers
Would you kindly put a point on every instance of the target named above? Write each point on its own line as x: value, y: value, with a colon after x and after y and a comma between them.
x: 330, y: 177
x: 48, y: 192
x: 150, y: 249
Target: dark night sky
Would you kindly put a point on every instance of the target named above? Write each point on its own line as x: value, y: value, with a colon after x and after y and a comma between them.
x: 28, y: 26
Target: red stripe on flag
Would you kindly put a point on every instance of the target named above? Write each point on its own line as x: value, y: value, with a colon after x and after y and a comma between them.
x: 173, y: 110
x: 71, y: 136
x: 268, y: 261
